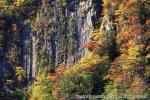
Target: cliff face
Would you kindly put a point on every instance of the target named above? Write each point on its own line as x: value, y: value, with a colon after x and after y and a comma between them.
x: 63, y: 30
x: 43, y: 34
x: 37, y: 34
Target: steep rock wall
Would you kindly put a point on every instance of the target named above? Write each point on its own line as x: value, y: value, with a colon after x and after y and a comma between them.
x: 55, y: 34
x: 63, y: 29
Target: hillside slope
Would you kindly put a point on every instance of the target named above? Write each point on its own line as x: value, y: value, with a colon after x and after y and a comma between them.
x: 68, y: 49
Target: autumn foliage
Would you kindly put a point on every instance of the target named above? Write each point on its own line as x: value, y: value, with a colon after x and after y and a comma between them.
x: 92, y: 45
x: 126, y: 72
x: 122, y: 65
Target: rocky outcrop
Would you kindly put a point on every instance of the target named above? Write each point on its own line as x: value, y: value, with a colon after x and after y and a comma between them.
x: 53, y: 33
x: 61, y: 33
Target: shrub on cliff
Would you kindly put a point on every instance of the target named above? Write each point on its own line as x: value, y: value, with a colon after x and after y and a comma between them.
x: 41, y: 88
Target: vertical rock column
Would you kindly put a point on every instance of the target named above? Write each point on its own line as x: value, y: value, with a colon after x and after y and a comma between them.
x: 34, y: 56
x: 27, y: 51
x: 1, y: 58
x: 3, y: 32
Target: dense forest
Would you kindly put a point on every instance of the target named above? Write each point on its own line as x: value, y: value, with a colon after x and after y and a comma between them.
x: 74, y: 49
